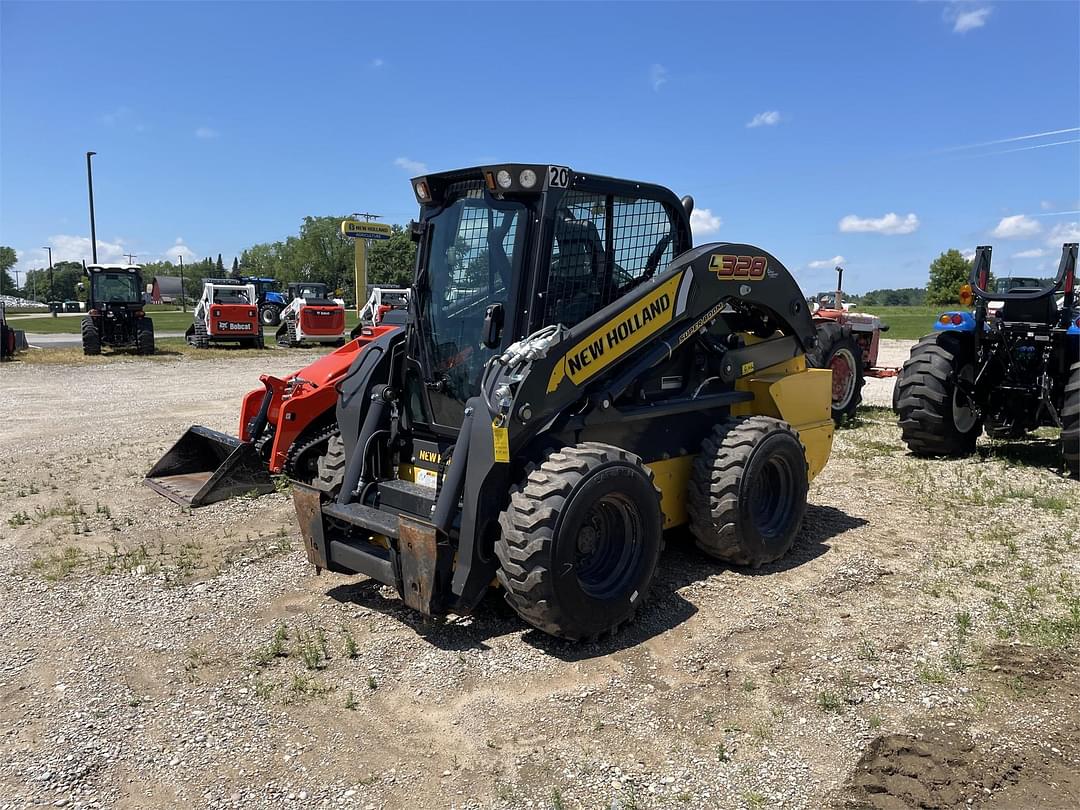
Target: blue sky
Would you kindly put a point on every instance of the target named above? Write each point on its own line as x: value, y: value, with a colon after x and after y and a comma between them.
x: 813, y: 130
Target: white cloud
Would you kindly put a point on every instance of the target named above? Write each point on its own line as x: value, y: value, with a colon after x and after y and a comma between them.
x: 410, y: 165
x: 1016, y: 227
x: 964, y: 21
x: 658, y: 76
x: 891, y: 224
x: 179, y: 249
x: 1034, y: 253
x: 1046, y: 205
x: 704, y: 222
x: 1063, y: 232
x: 968, y: 254
x: 206, y: 133
x: 378, y: 62
x: 67, y: 248
x: 764, y: 119
x: 821, y: 264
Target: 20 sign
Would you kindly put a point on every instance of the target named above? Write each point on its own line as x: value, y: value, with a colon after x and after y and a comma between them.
x: 558, y: 176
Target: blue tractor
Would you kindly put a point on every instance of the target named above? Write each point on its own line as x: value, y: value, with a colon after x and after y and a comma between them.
x: 271, y: 301
x: 1009, y: 366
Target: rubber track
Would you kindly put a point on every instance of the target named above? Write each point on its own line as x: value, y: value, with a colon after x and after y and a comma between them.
x: 528, y: 528
x: 713, y: 499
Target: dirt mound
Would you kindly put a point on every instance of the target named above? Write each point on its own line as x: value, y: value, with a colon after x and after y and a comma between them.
x: 934, y: 770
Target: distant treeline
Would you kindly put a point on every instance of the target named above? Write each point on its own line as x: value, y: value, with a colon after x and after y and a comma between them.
x: 903, y: 297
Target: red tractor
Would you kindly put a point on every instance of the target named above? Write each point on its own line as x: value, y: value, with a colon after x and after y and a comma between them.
x: 848, y: 343
x: 227, y: 312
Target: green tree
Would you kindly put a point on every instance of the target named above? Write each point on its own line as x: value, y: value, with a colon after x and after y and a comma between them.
x: 948, y: 272
x: 7, y: 261
x: 235, y: 267
x: 220, y: 266
x: 391, y: 261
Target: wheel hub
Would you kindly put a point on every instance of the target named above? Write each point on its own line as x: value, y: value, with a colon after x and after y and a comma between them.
x: 843, y: 376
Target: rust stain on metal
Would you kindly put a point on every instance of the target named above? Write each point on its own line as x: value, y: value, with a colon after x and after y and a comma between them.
x: 418, y: 553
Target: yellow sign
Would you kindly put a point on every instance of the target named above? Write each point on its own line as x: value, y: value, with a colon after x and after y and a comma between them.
x: 619, y: 335
x: 365, y: 230
x: 500, y: 438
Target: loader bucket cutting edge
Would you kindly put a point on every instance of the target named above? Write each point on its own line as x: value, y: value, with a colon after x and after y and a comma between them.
x: 205, y: 466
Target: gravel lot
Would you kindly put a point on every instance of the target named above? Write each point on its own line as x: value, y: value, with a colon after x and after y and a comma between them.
x: 918, y: 648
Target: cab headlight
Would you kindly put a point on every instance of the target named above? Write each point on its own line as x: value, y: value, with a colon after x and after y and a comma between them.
x: 504, y: 179
x: 527, y: 178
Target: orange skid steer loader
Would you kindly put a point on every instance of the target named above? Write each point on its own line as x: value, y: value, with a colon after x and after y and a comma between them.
x: 286, y: 427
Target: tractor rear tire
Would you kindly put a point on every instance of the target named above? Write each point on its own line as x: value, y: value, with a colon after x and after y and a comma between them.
x: 935, y: 417
x: 91, y: 340
x: 144, y: 337
x: 838, y: 350
x: 580, y: 541
x: 270, y: 314
x: 1070, y: 422
x: 748, y: 488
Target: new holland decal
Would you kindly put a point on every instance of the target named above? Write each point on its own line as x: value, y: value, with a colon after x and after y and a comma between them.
x: 610, y: 341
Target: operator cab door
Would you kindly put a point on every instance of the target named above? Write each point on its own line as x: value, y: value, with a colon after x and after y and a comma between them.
x: 475, y: 250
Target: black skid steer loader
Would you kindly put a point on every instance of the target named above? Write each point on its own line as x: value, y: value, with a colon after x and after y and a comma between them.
x: 573, y: 379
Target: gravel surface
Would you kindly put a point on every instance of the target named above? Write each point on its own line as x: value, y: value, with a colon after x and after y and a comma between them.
x: 926, y: 623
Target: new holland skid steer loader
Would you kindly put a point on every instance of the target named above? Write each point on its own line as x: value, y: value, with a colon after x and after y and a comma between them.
x: 573, y: 379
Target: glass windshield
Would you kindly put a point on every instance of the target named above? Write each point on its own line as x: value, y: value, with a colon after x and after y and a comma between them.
x: 1022, y: 284
x: 476, y: 248
x: 311, y: 291
x: 116, y: 288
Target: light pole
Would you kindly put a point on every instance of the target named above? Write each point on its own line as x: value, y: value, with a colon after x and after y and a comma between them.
x: 50, y: 292
x: 183, y: 297
x: 90, y: 187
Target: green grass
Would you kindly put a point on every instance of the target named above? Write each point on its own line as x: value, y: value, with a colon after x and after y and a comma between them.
x: 174, y: 321
x: 906, y: 323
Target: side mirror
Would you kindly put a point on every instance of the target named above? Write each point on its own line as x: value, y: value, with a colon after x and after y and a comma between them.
x: 416, y: 230
x: 493, y: 326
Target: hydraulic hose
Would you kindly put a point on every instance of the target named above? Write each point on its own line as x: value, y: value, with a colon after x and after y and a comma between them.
x: 355, y: 470
x: 257, y: 425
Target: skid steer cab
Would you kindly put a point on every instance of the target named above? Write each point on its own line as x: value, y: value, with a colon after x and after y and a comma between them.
x: 114, y: 310
x: 227, y: 312
x: 573, y: 379
x: 311, y: 316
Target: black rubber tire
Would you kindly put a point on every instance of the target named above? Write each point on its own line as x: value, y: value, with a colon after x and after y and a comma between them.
x: 91, y: 340
x: 331, y: 466
x: 580, y: 494
x: 833, y: 340
x: 144, y: 337
x: 1070, y: 422
x: 270, y: 314
x: 927, y: 384
x: 747, y: 496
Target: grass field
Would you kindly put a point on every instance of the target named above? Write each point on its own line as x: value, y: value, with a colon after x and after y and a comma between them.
x: 174, y: 321
x: 906, y: 323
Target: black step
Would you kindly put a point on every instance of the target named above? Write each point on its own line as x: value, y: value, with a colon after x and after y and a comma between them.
x: 374, y: 520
